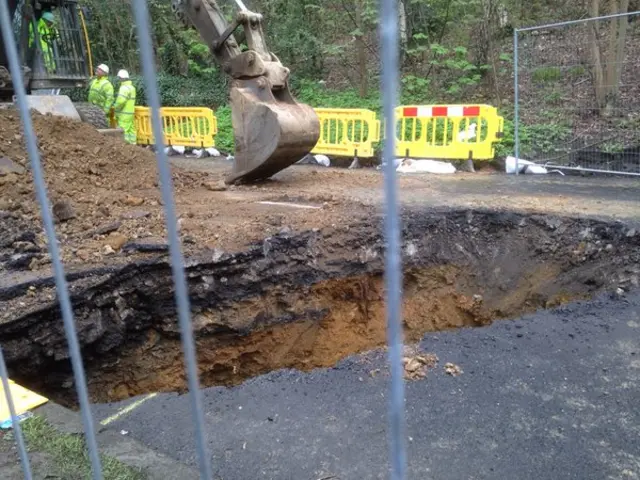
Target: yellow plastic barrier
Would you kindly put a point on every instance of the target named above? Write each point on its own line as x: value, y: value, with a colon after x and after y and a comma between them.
x: 186, y: 127
x: 454, y: 132
x: 346, y: 132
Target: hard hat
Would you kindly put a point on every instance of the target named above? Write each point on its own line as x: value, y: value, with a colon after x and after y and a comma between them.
x: 123, y: 74
x: 104, y: 68
x: 48, y: 16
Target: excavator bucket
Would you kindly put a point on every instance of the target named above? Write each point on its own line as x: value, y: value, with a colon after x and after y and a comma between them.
x: 272, y: 131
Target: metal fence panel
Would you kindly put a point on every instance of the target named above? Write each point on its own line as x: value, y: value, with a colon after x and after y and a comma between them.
x: 393, y: 259
x: 393, y: 272
x: 47, y: 218
x: 577, y: 95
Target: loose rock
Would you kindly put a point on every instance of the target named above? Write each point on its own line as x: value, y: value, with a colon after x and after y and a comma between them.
x: 8, y: 166
x: 132, y: 201
x: 215, y: 186
x: 116, y: 241
x: 63, y: 211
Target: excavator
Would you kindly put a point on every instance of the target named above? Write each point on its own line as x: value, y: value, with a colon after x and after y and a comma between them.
x: 272, y: 130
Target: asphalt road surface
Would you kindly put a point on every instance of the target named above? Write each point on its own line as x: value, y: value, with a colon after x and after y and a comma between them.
x: 549, y: 396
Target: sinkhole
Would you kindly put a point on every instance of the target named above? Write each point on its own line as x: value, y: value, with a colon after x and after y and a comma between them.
x: 308, y: 299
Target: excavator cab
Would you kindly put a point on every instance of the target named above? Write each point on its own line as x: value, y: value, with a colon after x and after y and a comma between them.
x: 52, y: 43
x: 54, y: 51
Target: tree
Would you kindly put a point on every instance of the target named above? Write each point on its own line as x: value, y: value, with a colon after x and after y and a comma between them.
x: 609, y: 61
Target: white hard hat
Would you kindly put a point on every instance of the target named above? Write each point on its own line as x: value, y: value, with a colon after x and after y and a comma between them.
x: 123, y: 74
x: 104, y: 68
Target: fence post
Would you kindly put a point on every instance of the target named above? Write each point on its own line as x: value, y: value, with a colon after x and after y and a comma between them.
x: 516, y: 99
x: 393, y: 257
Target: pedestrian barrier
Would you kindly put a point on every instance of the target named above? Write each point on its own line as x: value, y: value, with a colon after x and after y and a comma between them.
x: 454, y: 132
x: 183, y: 126
x: 346, y: 132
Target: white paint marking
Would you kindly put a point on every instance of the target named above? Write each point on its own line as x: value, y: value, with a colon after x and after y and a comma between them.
x: 129, y: 408
x: 292, y: 205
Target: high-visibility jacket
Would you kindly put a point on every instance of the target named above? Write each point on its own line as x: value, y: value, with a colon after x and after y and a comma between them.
x: 101, y: 94
x: 124, y: 108
x: 47, y: 35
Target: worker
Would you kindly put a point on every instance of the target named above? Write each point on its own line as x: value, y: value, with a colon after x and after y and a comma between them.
x: 124, y: 107
x: 101, y: 90
x: 47, y: 34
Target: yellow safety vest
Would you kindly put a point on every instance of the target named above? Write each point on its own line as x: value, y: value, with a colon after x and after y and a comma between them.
x: 125, y: 103
x: 47, y: 36
x: 101, y: 94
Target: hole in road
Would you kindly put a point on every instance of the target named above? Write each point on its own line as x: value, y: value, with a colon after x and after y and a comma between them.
x: 309, y: 300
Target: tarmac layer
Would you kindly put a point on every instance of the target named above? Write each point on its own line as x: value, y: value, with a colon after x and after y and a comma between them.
x: 548, y: 396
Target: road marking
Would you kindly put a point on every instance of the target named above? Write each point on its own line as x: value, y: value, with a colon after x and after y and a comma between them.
x: 129, y: 408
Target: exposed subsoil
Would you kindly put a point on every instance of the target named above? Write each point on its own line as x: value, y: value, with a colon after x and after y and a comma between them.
x: 307, y: 300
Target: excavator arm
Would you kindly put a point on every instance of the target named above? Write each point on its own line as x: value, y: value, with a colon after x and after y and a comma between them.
x: 272, y: 130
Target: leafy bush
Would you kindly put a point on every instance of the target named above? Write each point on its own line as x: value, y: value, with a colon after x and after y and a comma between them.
x: 535, y: 140
x: 224, y: 139
x: 546, y: 74
x: 208, y: 90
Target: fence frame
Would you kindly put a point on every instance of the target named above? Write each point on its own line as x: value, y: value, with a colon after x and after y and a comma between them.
x: 389, y: 35
x: 516, y: 78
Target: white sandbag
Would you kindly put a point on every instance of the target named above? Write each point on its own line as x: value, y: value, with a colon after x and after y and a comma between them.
x: 468, y: 134
x: 535, y: 170
x: 322, y: 160
x: 396, y: 161
x: 425, y: 166
x: 213, y: 152
x: 510, y: 164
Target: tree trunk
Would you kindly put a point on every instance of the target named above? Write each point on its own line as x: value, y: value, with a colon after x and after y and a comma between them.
x: 607, y: 74
x: 598, y: 74
x: 402, y: 27
x: 623, y: 23
x: 361, y: 49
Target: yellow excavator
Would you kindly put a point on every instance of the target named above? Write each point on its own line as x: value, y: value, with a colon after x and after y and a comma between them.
x: 272, y: 130
x: 65, y: 63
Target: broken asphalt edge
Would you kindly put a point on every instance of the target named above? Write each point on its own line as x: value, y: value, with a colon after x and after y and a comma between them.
x: 154, y: 465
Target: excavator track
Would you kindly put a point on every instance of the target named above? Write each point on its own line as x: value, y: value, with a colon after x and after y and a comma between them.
x: 92, y: 115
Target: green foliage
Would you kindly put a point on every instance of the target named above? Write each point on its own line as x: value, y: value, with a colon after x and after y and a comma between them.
x: 459, y: 75
x: 65, y: 455
x: 577, y: 71
x: 535, y: 139
x: 414, y: 89
x: 554, y: 97
x: 224, y: 139
x: 318, y: 96
x: 546, y: 74
x: 175, y: 91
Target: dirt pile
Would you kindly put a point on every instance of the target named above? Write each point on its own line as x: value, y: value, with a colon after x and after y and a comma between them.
x: 76, y: 158
x: 108, y: 206
x: 100, y: 188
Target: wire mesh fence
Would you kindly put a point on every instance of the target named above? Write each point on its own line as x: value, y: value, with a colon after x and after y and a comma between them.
x: 577, y: 94
x: 393, y: 268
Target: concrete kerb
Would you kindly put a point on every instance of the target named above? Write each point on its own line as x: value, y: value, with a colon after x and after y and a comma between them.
x: 113, y: 444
